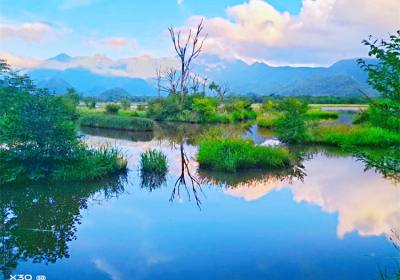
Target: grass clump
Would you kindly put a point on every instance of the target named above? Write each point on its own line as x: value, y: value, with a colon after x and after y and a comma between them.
x: 320, y: 114
x: 153, y: 169
x: 92, y: 163
x: 118, y: 122
x: 153, y: 161
x: 345, y: 135
x: 231, y: 154
x: 267, y: 120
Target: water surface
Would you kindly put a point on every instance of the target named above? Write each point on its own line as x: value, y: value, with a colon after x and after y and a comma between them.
x: 327, y: 219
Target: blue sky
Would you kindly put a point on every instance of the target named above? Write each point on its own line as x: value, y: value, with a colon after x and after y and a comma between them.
x: 321, y: 31
x: 145, y: 21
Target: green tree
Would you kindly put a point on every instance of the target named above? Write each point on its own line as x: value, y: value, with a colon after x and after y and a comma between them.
x: 384, y: 76
x: 112, y: 108
x: 73, y: 96
x: 291, y: 126
x: 90, y: 102
x: 125, y: 104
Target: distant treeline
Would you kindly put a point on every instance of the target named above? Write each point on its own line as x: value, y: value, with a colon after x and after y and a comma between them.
x: 309, y: 99
x: 260, y: 99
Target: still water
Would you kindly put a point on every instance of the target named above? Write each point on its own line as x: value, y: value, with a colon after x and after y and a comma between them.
x: 328, y: 219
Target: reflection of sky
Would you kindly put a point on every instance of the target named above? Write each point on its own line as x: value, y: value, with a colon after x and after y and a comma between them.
x: 277, y: 231
x: 364, y: 201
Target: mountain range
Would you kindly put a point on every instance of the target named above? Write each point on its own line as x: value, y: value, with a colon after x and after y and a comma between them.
x: 98, y: 74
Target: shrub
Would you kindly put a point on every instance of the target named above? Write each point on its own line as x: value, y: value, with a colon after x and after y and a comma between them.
x: 112, y: 108
x: 204, y: 107
x: 291, y: 126
x: 141, y: 107
x: 361, y: 117
x: 125, y: 104
x: 153, y: 161
x: 90, y: 102
x: 231, y: 154
x: 38, y: 138
x: 118, y: 122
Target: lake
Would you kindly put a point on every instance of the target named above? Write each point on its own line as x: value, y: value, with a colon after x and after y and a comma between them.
x: 328, y: 218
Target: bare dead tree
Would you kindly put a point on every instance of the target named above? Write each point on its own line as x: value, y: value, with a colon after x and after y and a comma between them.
x: 204, y: 84
x: 172, y: 79
x: 222, y: 91
x: 181, y: 181
x: 195, y: 83
x: 187, y: 51
x: 159, y: 76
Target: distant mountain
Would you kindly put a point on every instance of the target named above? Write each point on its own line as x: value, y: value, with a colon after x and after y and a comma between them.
x: 92, y: 75
x: 115, y: 94
x: 85, y: 81
x: 342, y: 78
x: 62, y: 57
x: 338, y: 85
x: 55, y: 84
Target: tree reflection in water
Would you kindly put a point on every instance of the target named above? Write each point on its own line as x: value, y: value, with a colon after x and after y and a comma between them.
x: 181, y: 181
x: 37, y: 222
x: 386, y: 162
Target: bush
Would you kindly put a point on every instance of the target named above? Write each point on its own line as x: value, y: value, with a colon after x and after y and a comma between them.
x: 38, y: 138
x: 125, y: 104
x: 90, y: 102
x: 291, y: 126
x: 118, y: 122
x: 204, y: 107
x: 112, y: 108
x: 141, y: 107
x: 347, y: 136
x: 361, y: 117
x: 231, y: 154
x: 153, y: 161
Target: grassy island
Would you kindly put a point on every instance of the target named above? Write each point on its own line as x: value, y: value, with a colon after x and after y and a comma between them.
x: 231, y: 154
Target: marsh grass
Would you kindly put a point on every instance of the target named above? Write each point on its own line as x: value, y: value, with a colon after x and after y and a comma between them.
x: 267, y: 120
x: 232, y: 154
x: 347, y: 136
x: 153, y: 161
x: 91, y: 164
x: 118, y: 122
x: 84, y: 163
x: 320, y: 114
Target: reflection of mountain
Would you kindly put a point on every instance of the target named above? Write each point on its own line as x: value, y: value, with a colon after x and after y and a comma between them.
x: 363, y: 201
x: 37, y: 222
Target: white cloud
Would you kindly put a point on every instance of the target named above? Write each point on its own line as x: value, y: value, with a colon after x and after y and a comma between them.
x: 30, y: 31
x: 179, y: 2
x: 324, y: 31
x: 115, y: 43
x: 339, y: 185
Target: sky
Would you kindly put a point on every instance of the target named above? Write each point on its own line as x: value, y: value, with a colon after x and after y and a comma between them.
x: 278, y: 32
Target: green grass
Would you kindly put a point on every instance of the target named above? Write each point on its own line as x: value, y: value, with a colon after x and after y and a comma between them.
x: 153, y: 161
x: 267, y: 120
x: 232, y: 154
x: 91, y: 164
x: 346, y: 135
x: 118, y: 122
x: 320, y: 114
x: 85, y: 164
